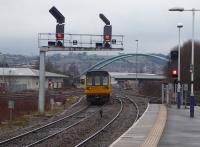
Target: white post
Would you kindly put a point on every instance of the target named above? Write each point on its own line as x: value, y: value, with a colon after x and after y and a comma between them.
x: 185, y: 93
x: 167, y: 94
x: 41, y: 101
x: 179, y: 53
x: 163, y: 93
x: 192, y: 69
x: 136, y: 59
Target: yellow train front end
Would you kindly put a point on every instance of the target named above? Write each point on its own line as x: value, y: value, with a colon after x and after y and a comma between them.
x: 97, y: 87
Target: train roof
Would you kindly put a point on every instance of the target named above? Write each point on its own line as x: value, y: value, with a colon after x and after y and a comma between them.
x: 97, y: 71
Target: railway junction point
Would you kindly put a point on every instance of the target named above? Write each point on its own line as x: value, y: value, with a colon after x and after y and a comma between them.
x: 163, y: 127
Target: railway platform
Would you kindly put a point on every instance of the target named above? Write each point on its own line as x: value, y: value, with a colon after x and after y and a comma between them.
x: 146, y: 131
x: 180, y: 129
x: 163, y: 127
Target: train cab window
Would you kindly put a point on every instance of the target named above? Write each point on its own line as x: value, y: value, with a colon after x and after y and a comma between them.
x: 105, y: 80
x: 97, y: 80
x: 89, y: 81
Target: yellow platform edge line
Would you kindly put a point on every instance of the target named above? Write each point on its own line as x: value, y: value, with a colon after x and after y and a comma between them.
x: 156, y: 131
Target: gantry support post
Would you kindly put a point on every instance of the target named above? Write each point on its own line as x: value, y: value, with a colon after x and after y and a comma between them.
x: 41, y: 102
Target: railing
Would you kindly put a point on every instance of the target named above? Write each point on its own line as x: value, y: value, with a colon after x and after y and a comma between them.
x: 78, y: 42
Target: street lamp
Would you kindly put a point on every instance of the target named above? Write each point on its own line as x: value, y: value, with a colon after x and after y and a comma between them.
x: 179, y: 26
x: 192, y: 57
x: 136, y: 57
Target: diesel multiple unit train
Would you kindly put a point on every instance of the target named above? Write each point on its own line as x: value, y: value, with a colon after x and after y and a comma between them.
x: 97, y: 86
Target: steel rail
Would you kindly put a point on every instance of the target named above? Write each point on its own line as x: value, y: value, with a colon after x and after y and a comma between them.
x: 73, y: 105
x: 99, y: 131
x: 52, y: 135
x: 39, y: 128
x: 46, y: 138
x: 137, y: 108
x: 149, y: 98
x: 145, y: 96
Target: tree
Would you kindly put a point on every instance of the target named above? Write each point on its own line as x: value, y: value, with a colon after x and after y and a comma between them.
x: 4, y: 65
x: 48, y: 66
x: 186, y: 61
x: 185, y: 64
x: 3, y: 62
x: 73, y: 71
x: 147, y: 86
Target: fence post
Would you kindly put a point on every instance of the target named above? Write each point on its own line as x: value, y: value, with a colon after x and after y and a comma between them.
x: 167, y: 94
x: 163, y: 93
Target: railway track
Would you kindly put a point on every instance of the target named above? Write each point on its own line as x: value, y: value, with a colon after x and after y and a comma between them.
x: 72, y: 130
x: 43, y: 133
x: 99, y: 131
x: 36, y: 121
x: 21, y: 130
x: 34, y: 131
x: 92, y: 138
x: 151, y: 99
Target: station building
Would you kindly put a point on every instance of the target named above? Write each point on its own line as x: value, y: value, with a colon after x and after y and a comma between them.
x: 18, y: 79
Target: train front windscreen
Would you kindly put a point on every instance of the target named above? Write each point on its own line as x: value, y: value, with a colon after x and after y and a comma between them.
x: 97, y: 80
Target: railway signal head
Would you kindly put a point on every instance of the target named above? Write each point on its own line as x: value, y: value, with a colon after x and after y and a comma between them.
x: 174, y: 73
x: 174, y: 55
x: 174, y: 64
x: 104, y: 19
x: 59, y: 34
x: 59, y: 27
x: 107, y: 36
x: 57, y: 15
x: 60, y: 31
x: 107, y: 32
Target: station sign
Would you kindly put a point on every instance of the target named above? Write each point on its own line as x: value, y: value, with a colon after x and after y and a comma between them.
x: 11, y: 104
x: 185, y: 87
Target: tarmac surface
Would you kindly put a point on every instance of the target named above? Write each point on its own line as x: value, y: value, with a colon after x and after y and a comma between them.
x: 180, y: 129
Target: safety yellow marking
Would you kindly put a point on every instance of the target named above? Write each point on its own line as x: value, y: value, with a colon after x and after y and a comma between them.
x: 156, y: 131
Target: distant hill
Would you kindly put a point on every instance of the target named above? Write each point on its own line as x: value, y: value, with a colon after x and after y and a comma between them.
x: 83, y: 61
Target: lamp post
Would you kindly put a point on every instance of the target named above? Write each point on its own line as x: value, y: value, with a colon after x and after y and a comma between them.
x: 2, y: 62
x: 192, y: 57
x: 136, y: 58
x: 179, y: 26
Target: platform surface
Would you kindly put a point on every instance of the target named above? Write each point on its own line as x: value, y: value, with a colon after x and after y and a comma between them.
x: 180, y: 129
x: 143, y: 132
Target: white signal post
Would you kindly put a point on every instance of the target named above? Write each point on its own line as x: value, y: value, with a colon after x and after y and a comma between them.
x: 179, y: 26
x: 192, y: 99
x: 136, y: 58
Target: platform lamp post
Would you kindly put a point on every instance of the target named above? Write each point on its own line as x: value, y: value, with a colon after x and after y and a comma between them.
x: 192, y: 57
x: 179, y: 26
x: 136, y: 58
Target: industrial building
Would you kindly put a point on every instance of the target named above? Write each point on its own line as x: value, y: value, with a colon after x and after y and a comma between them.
x: 18, y: 79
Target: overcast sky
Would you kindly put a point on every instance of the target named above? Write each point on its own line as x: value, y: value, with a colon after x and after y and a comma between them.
x: 149, y: 21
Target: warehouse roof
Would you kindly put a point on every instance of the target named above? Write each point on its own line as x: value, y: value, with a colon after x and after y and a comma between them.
x: 26, y: 72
